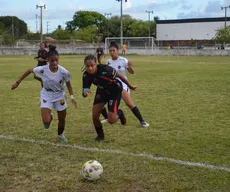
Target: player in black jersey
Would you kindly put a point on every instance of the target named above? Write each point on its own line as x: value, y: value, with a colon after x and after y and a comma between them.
x: 42, y: 58
x: 108, y: 91
x: 100, y: 54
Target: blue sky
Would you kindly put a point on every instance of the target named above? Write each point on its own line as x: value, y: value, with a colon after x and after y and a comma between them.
x: 60, y: 11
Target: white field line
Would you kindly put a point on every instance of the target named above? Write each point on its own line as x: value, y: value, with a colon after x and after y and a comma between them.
x: 144, y: 155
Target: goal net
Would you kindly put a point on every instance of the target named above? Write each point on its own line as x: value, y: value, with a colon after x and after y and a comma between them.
x: 135, y: 45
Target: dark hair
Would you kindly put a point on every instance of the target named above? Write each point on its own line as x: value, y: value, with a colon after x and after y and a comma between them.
x: 52, y: 51
x: 90, y: 57
x: 113, y: 44
x: 87, y: 58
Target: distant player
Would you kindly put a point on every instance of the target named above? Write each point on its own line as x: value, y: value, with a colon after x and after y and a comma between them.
x: 54, y: 78
x: 122, y: 65
x: 100, y: 54
x: 109, y: 90
x: 42, y: 58
x: 124, y: 47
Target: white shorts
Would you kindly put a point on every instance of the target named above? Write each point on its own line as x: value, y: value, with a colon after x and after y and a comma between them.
x: 125, y: 87
x: 57, y: 105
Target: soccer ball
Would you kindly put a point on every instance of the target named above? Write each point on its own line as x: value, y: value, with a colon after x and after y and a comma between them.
x: 92, y: 170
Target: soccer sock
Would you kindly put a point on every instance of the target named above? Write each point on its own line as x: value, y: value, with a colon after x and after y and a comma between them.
x: 61, y: 127
x: 137, y: 113
x: 46, y: 126
x: 104, y: 113
x: 100, y: 131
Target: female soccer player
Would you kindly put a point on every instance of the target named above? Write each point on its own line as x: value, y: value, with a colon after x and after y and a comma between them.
x: 41, y: 58
x: 121, y: 64
x: 42, y: 55
x: 108, y: 91
x: 100, y: 53
x: 54, y: 78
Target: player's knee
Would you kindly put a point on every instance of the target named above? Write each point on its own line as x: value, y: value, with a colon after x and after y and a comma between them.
x: 112, y: 118
x: 96, y: 117
x: 46, y: 121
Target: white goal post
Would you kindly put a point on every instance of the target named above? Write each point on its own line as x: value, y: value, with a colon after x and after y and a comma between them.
x: 135, y: 45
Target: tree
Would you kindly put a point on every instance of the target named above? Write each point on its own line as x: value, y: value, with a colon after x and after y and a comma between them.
x: 223, y: 35
x: 88, y: 34
x: 83, y: 19
x: 20, y: 27
x: 61, y: 34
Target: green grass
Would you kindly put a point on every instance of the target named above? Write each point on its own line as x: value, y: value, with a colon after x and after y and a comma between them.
x: 186, y: 100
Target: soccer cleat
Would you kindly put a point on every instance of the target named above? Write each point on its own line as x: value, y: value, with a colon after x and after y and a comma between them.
x: 122, y: 117
x: 98, y: 139
x: 144, y: 124
x: 62, y: 138
x: 104, y: 121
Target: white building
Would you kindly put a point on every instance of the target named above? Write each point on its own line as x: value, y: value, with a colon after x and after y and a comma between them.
x: 188, y: 29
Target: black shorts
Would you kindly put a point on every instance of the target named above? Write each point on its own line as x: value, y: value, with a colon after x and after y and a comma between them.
x: 113, y: 100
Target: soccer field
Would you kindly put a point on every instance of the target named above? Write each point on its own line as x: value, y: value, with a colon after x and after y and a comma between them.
x: 186, y: 101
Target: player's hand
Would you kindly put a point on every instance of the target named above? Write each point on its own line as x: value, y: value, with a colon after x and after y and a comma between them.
x: 40, y: 59
x: 74, y: 103
x: 14, y: 86
x: 133, y: 87
x: 88, y: 92
x: 130, y: 64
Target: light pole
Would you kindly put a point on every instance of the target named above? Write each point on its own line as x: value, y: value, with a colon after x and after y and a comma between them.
x: 225, y: 20
x: 107, y: 16
x: 149, y: 12
x: 41, y: 7
x: 47, y: 27
x: 121, y: 20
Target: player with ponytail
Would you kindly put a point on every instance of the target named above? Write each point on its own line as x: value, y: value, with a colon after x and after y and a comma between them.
x: 55, y: 78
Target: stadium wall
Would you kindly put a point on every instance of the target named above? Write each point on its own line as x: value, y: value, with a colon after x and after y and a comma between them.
x: 85, y: 51
x: 188, y: 29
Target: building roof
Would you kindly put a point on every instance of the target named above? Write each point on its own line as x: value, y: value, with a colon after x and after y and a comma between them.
x: 194, y: 20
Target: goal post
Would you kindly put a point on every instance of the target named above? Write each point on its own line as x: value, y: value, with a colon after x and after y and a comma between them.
x: 135, y: 45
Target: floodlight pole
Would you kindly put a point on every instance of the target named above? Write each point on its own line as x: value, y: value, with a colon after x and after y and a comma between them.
x: 121, y: 20
x: 107, y: 16
x: 149, y: 12
x: 225, y: 20
x: 41, y: 7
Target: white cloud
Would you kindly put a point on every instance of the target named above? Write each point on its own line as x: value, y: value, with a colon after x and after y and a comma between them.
x: 226, y: 3
x: 152, y: 1
x: 127, y: 4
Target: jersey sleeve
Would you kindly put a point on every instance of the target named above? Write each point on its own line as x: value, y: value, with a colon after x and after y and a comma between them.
x: 38, y: 71
x: 86, y: 83
x: 111, y: 72
x: 126, y: 63
x: 67, y: 76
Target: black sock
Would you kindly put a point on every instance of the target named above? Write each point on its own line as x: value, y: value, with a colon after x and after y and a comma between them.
x: 100, y: 131
x: 104, y: 113
x: 61, y: 127
x: 137, y: 113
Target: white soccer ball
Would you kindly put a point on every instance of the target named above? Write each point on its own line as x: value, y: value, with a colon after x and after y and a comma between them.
x: 92, y: 170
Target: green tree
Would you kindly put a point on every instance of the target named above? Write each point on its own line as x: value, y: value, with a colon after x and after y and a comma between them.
x: 61, y: 34
x: 223, y: 35
x: 88, y: 34
x: 83, y: 19
x: 20, y: 27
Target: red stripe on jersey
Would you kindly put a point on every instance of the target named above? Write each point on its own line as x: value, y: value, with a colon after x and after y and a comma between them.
x: 107, y: 79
